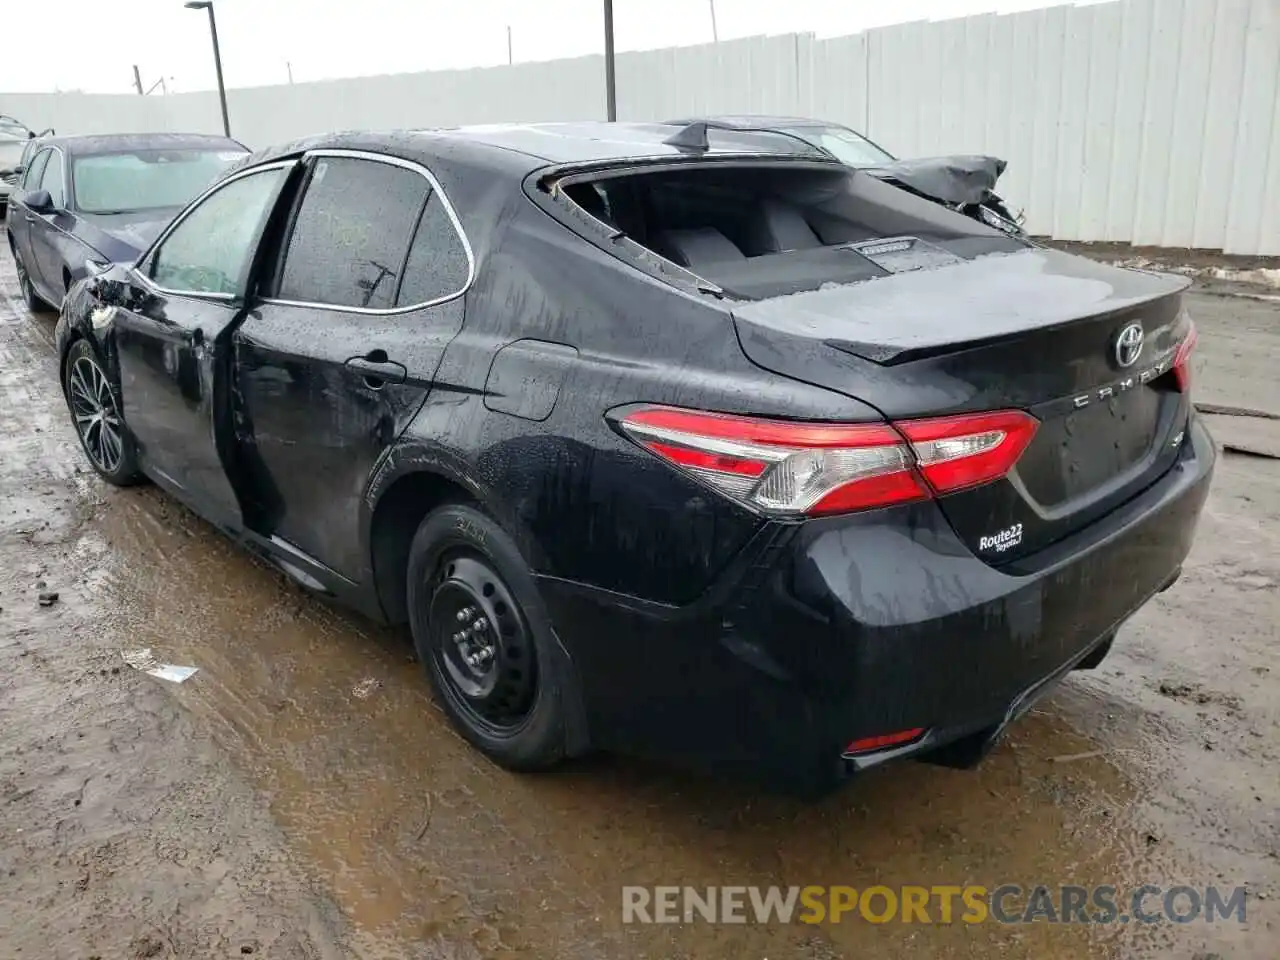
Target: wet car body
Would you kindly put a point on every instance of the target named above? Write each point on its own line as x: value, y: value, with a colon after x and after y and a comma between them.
x: 683, y: 621
x: 57, y: 242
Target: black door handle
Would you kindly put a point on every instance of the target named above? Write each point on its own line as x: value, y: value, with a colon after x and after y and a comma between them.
x: 377, y: 369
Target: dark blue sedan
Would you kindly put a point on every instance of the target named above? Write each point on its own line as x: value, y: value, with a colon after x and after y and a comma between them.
x: 86, y: 202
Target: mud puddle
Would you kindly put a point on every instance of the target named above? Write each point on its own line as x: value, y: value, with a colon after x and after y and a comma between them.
x: 422, y: 840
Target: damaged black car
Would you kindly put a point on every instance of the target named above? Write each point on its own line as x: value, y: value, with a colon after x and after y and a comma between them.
x: 707, y: 451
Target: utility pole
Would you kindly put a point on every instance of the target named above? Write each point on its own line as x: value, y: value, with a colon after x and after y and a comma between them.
x: 715, y: 34
x: 207, y: 5
x: 289, y: 66
x: 137, y: 80
x: 509, y: 57
x: 610, y: 90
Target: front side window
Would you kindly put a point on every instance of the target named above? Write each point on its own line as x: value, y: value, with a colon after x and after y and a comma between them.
x: 51, y: 180
x: 437, y: 266
x: 210, y: 250
x: 31, y: 179
x: 351, y: 234
x: 139, y: 180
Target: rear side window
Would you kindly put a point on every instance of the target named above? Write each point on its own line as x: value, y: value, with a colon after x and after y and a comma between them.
x: 51, y: 180
x: 437, y: 266
x: 31, y: 179
x: 209, y: 251
x: 351, y: 234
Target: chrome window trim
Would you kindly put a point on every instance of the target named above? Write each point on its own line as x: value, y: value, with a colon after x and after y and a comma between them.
x: 66, y: 169
x: 26, y: 171
x: 135, y: 267
x: 449, y: 211
x: 52, y: 147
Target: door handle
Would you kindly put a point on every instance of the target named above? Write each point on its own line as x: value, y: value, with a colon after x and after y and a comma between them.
x: 30, y: 218
x: 377, y: 369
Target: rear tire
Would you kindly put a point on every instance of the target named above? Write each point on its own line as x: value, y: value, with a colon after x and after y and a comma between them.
x: 29, y: 296
x: 95, y: 413
x: 484, y: 639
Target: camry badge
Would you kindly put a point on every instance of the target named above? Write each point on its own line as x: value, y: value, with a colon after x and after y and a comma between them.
x: 1129, y: 345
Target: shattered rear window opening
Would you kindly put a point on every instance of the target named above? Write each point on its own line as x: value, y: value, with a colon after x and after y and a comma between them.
x: 767, y: 229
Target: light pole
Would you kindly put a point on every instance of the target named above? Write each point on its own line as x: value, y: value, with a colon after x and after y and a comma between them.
x: 610, y: 91
x: 217, y: 57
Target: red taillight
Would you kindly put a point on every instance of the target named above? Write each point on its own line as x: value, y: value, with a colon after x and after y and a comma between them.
x: 884, y: 741
x: 965, y: 451
x: 810, y: 469
x: 1182, y: 358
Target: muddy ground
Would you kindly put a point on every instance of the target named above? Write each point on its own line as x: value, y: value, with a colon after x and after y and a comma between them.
x: 301, y: 796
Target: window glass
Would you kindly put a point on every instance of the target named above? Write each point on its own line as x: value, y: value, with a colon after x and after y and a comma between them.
x: 29, y: 151
x: 437, y: 265
x: 351, y: 233
x: 31, y: 179
x: 209, y: 251
x: 145, y: 179
x: 52, y: 180
x: 845, y: 145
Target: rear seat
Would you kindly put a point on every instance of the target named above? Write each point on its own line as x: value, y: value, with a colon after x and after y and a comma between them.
x: 696, y: 247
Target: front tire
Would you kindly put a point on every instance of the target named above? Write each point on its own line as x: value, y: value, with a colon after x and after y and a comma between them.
x: 484, y: 639
x: 95, y: 413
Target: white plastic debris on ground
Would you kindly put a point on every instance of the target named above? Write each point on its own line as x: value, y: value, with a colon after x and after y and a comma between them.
x: 145, y: 661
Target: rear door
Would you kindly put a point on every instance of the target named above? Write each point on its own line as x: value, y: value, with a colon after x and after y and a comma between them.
x: 334, y: 363
x: 172, y: 338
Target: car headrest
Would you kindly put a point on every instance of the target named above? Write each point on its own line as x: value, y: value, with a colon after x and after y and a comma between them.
x: 782, y: 227
x: 697, y: 246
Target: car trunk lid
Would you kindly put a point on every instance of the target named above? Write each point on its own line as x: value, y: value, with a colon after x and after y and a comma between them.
x: 1038, y: 330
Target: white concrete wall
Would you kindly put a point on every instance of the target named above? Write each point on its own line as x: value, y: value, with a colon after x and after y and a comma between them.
x: 1142, y: 121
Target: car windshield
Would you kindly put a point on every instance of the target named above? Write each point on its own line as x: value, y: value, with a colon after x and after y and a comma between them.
x: 138, y: 180
x: 848, y: 147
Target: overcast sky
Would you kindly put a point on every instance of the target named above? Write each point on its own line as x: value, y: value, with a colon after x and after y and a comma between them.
x: 92, y: 44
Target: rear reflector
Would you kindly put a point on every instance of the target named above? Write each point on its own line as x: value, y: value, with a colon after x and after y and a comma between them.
x: 884, y: 741
x: 1182, y: 358
x: 812, y: 469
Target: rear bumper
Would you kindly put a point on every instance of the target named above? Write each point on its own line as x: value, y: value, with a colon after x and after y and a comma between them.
x: 833, y: 630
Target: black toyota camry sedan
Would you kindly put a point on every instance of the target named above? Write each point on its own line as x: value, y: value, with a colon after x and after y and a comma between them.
x: 82, y: 203
x: 662, y: 444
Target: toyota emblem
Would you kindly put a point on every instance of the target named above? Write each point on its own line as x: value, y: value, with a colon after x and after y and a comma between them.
x: 1129, y: 345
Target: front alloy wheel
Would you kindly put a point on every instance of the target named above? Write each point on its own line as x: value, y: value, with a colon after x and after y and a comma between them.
x: 96, y: 415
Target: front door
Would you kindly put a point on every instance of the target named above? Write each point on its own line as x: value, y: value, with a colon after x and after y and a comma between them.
x: 45, y: 264
x: 172, y: 338
x: 20, y: 220
x: 330, y: 368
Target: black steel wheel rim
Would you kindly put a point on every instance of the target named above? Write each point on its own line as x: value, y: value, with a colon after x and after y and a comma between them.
x: 481, y: 644
x: 97, y: 420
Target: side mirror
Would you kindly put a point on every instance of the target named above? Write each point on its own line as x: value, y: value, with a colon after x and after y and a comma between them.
x: 39, y: 201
